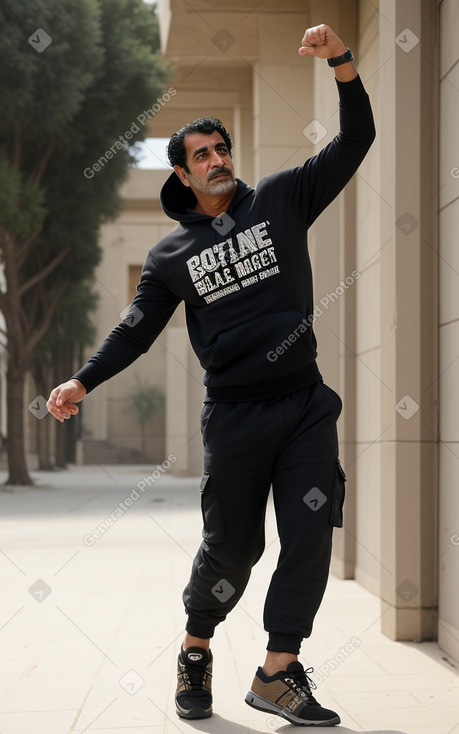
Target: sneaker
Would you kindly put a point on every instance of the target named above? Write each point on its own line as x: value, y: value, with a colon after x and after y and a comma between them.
x: 288, y: 694
x: 193, y: 698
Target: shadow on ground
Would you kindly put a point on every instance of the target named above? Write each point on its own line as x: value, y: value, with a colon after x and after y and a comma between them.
x: 218, y: 725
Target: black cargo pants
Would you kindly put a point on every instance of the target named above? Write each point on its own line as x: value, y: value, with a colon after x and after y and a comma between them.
x: 290, y: 443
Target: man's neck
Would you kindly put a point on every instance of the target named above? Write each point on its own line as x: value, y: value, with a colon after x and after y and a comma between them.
x: 214, y: 205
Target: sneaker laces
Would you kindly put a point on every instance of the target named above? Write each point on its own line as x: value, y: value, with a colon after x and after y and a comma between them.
x: 302, y: 684
x: 194, y: 676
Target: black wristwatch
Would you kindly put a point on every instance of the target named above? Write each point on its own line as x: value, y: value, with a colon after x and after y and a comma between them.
x: 343, y: 59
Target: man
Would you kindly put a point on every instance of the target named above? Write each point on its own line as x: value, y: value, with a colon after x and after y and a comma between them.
x: 238, y: 259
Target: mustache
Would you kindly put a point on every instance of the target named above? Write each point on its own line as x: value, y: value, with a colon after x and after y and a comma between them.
x: 219, y: 172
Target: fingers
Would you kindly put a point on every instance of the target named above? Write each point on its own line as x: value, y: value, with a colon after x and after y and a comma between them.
x: 59, y: 406
x: 315, y: 36
x: 322, y: 42
x: 63, y: 411
x: 306, y: 50
x: 61, y: 402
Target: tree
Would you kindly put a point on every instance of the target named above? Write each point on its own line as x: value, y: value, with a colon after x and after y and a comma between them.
x: 55, y: 359
x: 146, y: 400
x: 76, y: 79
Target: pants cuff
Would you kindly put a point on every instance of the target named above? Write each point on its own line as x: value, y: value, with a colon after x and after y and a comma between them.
x: 279, y: 642
x: 199, y: 629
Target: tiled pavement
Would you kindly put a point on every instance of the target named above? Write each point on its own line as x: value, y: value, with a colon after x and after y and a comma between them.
x: 91, y: 623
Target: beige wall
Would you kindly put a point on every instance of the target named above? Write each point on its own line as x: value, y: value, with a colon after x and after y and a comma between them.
x: 125, y: 242
x: 344, y: 240
x: 169, y: 365
x: 408, y: 321
x: 448, y: 217
x: 369, y: 209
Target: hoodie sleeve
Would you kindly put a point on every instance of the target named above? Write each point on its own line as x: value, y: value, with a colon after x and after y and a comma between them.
x: 149, y: 313
x: 325, y: 174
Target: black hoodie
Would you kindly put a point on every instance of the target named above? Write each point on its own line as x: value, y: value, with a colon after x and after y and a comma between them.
x: 245, y: 276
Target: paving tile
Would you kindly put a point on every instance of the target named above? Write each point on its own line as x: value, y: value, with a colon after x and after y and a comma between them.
x: 51, y: 722
x: 418, y: 684
x: 116, y: 607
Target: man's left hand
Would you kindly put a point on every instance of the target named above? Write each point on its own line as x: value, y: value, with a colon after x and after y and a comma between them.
x: 322, y: 42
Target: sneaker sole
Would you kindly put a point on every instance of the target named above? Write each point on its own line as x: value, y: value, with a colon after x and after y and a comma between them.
x: 262, y: 704
x: 195, y: 713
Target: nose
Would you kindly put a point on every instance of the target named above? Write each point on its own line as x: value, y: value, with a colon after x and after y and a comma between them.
x: 217, y: 160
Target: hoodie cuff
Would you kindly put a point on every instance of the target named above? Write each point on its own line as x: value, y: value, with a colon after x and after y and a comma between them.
x: 84, y: 376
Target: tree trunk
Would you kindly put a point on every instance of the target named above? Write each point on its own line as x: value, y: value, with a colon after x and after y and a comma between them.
x: 62, y: 372
x: 40, y: 375
x: 17, y: 466
x: 143, y: 437
x: 60, y: 445
x: 44, y: 446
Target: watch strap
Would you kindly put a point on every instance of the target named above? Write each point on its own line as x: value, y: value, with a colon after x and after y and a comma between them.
x: 343, y: 59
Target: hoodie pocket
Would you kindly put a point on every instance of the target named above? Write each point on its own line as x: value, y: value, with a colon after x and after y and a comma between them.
x: 336, y: 512
x: 263, y: 349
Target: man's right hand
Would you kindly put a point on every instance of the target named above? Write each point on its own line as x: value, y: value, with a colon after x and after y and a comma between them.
x: 61, y: 403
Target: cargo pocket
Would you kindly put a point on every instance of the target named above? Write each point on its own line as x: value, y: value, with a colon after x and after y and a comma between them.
x: 213, y: 530
x: 336, y: 512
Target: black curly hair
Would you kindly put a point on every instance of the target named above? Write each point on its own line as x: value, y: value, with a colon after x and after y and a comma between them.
x: 176, y: 148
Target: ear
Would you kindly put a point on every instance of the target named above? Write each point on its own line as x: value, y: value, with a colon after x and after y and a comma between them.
x: 182, y: 174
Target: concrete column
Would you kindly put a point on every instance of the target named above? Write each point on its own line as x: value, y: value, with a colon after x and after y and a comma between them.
x: 177, y: 397
x: 184, y: 396
x: 408, y: 321
x: 282, y: 94
x: 332, y: 245
x: 448, y: 206
x: 361, y: 344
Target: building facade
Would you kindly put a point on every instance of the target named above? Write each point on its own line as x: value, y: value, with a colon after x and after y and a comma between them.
x: 386, y: 270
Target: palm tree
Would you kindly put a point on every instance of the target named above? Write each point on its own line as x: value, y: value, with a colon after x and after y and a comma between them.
x: 146, y: 400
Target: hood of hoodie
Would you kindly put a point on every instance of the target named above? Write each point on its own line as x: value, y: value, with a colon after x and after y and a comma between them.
x: 177, y: 199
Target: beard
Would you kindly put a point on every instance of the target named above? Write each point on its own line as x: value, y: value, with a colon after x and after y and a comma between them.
x: 210, y: 186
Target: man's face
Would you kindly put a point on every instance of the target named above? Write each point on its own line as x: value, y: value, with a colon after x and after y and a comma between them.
x: 211, y: 169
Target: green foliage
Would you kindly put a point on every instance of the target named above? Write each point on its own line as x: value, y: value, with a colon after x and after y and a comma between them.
x: 47, y: 89
x: 71, y: 324
x: 146, y: 400
x: 21, y: 202
x: 74, y: 99
x: 61, y: 110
